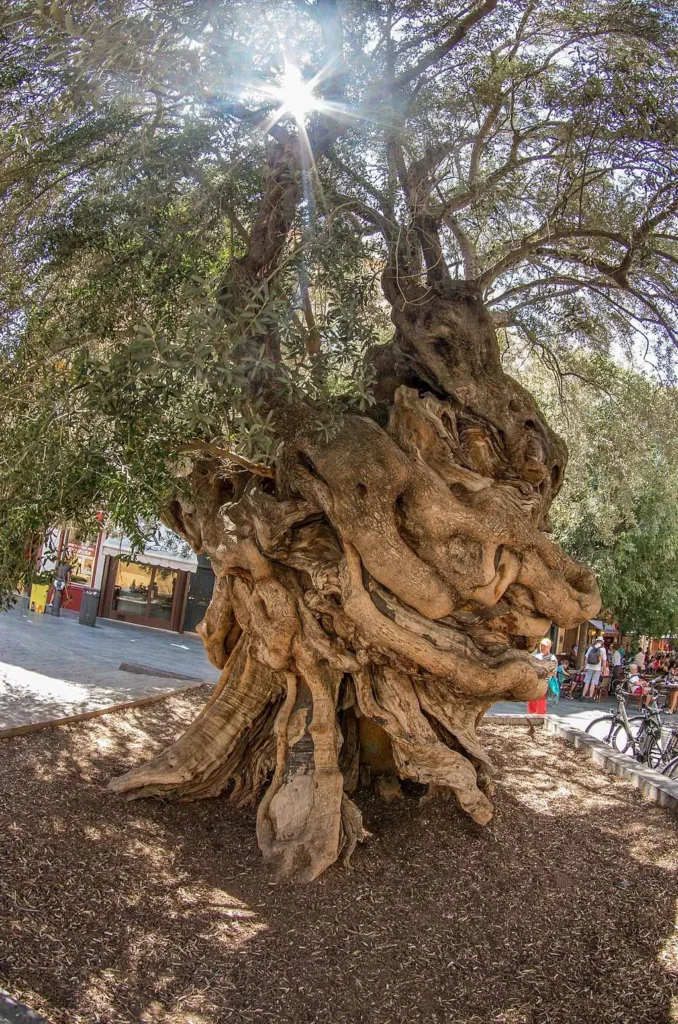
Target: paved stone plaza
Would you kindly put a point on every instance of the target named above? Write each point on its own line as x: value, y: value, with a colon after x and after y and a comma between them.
x: 53, y: 667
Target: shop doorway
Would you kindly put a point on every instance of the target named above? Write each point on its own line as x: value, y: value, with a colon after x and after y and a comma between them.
x: 148, y: 595
x: 200, y: 587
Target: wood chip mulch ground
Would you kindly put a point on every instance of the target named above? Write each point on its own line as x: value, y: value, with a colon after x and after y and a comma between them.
x: 562, y: 910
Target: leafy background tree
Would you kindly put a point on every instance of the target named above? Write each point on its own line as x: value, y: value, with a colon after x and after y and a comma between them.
x: 618, y: 510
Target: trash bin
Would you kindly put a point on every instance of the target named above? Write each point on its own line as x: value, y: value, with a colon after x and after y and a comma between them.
x: 88, y: 608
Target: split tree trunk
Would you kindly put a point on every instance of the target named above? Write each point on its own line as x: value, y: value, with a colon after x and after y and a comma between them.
x: 399, y: 573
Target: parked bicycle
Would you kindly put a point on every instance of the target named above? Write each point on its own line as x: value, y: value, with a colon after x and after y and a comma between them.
x: 670, y: 768
x: 614, y: 728
x: 646, y: 729
x: 640, y: 736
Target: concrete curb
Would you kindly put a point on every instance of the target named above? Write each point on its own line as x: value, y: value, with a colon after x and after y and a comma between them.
x: 515, y: 719
x: 12, y: 1012
x: 24, y: 730
x: 652, y: 785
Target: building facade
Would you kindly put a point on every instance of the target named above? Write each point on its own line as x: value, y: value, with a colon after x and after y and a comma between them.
x: 165, y: 586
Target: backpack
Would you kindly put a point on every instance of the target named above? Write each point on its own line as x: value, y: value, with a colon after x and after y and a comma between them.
x: 593, y: 657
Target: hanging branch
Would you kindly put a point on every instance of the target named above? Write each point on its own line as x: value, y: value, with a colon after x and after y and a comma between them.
x: 225, y: 453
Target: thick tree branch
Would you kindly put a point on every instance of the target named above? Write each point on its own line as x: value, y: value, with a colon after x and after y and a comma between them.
x: 479, y: 141
x: 426, y: 37
x: 442, y: 49
x: 240, y: 228
x: 427, y: 231
x: 356, y: 177
x: 225, y: 453
x: 344, y: 202
x: 313, y: 335
x: 467, y: 249
x: 545, y: 235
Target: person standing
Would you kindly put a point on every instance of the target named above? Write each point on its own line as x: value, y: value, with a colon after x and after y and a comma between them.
x: 538, y: 707
x: 639, y: 660
x: 617, y: 666
x: 63, y: 576
x: 596, y: 657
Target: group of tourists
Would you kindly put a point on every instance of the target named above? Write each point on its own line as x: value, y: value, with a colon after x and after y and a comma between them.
x: 610, y: 668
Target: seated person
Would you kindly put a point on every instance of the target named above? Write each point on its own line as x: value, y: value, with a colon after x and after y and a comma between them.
x: 672, y: 688
x: 566, y: 678
x: 557, y: 679
x: 639, y: 687
x: 563, y: 672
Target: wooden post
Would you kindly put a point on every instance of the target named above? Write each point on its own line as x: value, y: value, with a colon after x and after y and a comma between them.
x: 581, y: 645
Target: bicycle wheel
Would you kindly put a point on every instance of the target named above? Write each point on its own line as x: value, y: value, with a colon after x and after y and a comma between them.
x: 648, y: 745
x: 603, y: 728
x: 624, y: 743
x: 671, y: 748
x: 636, y: 727
x: 652, y: 754
x: 671, y: 769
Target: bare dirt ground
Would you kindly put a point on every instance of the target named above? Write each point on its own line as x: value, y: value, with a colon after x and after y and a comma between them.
x: 562, y: 910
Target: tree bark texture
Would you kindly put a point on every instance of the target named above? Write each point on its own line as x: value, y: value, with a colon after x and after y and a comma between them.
x: 383, y: 591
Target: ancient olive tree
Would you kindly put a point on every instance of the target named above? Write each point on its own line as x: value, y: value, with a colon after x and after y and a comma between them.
x: 210, y: 213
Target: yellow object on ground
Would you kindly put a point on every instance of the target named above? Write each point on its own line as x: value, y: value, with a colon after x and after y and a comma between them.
x: 38, y: 599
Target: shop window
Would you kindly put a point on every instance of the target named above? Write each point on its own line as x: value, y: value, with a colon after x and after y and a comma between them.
x: 162, y: 593
x: 130, y: 594
x: 144, y: 592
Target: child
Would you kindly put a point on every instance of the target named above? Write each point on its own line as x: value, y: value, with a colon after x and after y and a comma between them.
x: 562, y: 674
x: 568, y: 679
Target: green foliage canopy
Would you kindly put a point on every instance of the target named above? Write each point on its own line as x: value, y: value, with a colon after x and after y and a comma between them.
x: 528, y: 146
x: 618, y: 509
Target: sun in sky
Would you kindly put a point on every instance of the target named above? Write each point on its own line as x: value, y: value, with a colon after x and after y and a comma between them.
x: 297, y: 96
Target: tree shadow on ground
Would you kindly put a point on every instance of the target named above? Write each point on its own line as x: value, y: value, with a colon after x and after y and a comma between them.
x: 561, y: 910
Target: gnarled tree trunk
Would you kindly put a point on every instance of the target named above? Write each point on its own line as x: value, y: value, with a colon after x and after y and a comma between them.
x: 399, y: 573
